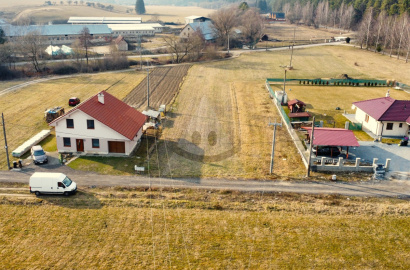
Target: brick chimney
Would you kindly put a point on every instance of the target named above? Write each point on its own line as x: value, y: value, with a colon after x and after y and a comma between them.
x: 101, y: 97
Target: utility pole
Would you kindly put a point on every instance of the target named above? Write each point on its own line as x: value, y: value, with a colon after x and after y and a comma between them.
x: 284, y: 87
x: 291, y: 55
x: 148, y: 87
x: 310, y: 147
x: 5, y: 141
x: 140, y: 46
x: 273, y: 144
x: 228, y: 43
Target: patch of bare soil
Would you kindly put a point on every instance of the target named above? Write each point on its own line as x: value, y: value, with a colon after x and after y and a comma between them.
x: 164, y: 84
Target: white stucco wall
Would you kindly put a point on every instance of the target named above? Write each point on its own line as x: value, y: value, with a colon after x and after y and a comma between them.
x: 80, y: 131
x: 376, y: 126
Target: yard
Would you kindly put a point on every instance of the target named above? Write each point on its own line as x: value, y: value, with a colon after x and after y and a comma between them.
x: 24, y: 109
x: 218, y: 125
x: 132, y: 228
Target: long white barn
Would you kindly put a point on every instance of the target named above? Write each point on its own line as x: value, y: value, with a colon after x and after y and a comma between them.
x: 104, y: 20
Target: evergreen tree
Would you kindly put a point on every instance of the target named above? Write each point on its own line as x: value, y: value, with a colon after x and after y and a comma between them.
x: 243, y: 6
x: 140, y: 7
x: 2, y: 38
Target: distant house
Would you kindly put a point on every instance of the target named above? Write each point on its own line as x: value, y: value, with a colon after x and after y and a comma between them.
x: 384, y: 116
x: 121, y: 44
x: 100, y: 125
x: 192, y: 19
x: 277, y: 16
x: 206, y: 28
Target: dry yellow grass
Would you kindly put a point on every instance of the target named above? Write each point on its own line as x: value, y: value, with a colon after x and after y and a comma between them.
x: 199, y: 229
x: 341, y: 97
x: 44, y: 14
x: 24, y: 109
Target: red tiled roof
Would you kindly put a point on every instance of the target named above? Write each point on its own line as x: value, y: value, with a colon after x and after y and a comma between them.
x: 333, y: 137
x: 299, y: 114
x: 385, y: 109
x: 295, y: 101
x: 114, y: 113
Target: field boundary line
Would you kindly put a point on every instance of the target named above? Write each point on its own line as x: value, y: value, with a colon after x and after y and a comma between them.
x: 289, y: 128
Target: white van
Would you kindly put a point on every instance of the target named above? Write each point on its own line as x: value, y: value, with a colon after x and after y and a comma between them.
x: 51, y: 183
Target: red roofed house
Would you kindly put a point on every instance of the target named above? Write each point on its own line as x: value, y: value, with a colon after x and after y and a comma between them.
x: 102, y: 125
x: 384, y: 116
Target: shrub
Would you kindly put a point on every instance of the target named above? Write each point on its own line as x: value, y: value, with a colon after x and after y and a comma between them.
x: 64, y: 70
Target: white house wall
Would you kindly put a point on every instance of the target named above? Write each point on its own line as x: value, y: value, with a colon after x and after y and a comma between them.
x: 80, y: 131
x: 376, y: 126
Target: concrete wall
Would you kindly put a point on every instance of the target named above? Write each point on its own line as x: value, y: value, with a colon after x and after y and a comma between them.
x: 341, y: 167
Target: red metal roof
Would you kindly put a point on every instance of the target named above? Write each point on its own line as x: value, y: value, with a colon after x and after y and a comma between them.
x: 333, y: 137
x: 295, y: 101
x: 114, y: 113
x: 299, y: 114
x: 385, y: 109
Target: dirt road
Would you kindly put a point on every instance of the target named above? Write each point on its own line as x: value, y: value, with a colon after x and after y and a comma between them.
x: 393, y: 188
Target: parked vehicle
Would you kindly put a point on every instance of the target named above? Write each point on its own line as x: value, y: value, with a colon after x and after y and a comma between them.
x: 330, y: 151
x: 38, y: 155
x: 74, y: 101
x: 51, y: 183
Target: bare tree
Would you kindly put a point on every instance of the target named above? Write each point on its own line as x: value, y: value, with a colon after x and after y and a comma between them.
x: 7, y: 54
x: 307, y: 13
x: 197, y: 42
x: 380, y: 22
x: 30, y: 45
x: 177, y: 48
x: 85, y: 41
x: 404, y: 18
x: 252, y: 27
x: 367, y: 20
x: 392, y: 35
x: 224, y: 20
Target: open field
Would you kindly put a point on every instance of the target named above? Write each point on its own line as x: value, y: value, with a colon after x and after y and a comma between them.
x: 44, y: 14
x: 24, y: 109
x: 164, y: 84
x: 200, y: 229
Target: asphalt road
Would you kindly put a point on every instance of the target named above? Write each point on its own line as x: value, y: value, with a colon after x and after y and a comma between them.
x: 383, y: 188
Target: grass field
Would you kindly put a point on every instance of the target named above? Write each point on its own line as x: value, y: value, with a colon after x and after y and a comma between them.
x: 341, y: 97
x: 199, y: 229
x: 24, y: 109
x: 44, y: 14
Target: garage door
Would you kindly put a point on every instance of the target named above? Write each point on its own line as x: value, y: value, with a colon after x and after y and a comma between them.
x: 116, y: 147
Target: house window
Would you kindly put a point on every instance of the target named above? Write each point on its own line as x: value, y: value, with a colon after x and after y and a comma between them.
x: 67, y: 142
x: 96, y: 143
x: 400, y: 125
x: 389, y: 126
x: 366, y: 118
x: 90, y: 124
x: 70, y: 123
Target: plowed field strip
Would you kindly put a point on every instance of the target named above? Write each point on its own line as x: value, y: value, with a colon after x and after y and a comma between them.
x: 164, y: 84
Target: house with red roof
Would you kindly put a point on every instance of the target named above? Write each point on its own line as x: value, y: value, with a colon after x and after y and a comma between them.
x: 100, y: 125
x: 384, y: 117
